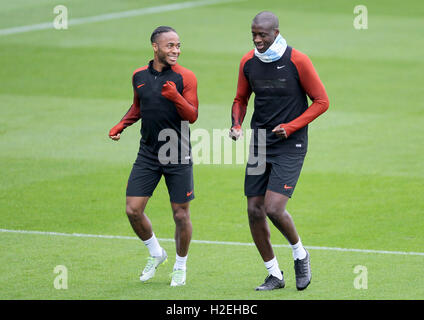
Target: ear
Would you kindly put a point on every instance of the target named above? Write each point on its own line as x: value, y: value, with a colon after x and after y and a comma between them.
x: 155, y: 47
x: 276, y: 32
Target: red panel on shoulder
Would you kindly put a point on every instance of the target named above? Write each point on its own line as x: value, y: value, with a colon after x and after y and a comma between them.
x: 140, y: 69
x: 243, y: 93
x: 311, y: 83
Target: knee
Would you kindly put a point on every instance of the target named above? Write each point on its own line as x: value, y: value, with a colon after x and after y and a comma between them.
x: 181, y: 216
x: 273, y: 211
x: 132, y: 211
x: 255, y: 213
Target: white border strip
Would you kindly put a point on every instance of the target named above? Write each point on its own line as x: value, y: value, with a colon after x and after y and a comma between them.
x: 115, y: 15
x: 83, y: 235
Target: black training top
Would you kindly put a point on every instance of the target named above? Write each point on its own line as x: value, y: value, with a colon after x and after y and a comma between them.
x: 165, y: 123
x: 280, y: 89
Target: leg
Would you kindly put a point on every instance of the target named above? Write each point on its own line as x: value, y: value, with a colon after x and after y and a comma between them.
x: 183, y: 231
x: 259, y: 227
x: 139, y: 221
x: 275, y: 208
x: 255, y: 185
x: 143, y: 228
x: 144, y: 177
x: 183, y: 227
x: 142, y: 182
x: 179, y: 180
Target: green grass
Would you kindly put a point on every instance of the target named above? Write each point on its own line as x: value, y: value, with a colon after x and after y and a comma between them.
x: 361, y: 186
x: 107, y: 269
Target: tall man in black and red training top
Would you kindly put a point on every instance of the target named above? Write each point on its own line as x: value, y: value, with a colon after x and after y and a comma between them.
x: 281, y: 77
x: 165, y: 99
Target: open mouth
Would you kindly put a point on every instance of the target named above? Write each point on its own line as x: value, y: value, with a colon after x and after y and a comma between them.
x: 260, y: 46
x: 173, y: 59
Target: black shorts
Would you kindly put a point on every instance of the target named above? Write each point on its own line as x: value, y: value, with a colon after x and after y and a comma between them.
x: 146, y: 174
x: 280, y: 175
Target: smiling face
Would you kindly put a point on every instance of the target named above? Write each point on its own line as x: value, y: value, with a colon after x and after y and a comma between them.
x: 263, y: 35
x: 167, y: 48
x: 264, y: 30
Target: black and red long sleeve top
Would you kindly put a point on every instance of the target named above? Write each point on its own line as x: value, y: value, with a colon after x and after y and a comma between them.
x: 280, y: 89
x: 159, y: 113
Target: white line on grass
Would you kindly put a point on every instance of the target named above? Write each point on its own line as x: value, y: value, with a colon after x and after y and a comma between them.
x: 115, y: 15
x: 231, y: 243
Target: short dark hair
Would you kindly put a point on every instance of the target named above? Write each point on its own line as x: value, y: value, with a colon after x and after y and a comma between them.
x: 158, y: 31
x: 266, y: 17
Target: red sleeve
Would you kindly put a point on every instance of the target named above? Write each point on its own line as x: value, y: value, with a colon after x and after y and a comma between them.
x: 187, y: 104
x: 133, y: 113
x: 313, y: 87
x: 238, y: 110
x: 132, y: 116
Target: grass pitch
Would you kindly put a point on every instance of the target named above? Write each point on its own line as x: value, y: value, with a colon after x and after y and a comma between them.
x: 361, y: 186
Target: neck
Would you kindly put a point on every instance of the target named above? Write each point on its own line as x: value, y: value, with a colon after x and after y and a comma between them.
x: 274, y: 52
x: 157, y: 65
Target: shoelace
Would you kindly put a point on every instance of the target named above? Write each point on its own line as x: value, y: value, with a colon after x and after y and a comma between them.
x: 150, y: 264
x: 269, y: 279
x: 177, y: 275
x: 302, y: 268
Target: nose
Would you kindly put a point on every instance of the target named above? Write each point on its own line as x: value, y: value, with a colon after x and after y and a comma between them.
x: 176, y: 50
x: 257, y: 39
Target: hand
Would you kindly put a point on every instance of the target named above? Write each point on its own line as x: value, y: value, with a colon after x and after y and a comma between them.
x: 280, y: 131
x: 169, y: 90
x: 116, y: 137
x: 236, y: 132
x: 115, y: 132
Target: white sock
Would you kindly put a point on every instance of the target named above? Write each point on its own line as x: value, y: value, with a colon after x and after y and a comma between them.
x: 180, y: 262
x: 273, y: 268
x: 153, y: 246
x: 298, y: 251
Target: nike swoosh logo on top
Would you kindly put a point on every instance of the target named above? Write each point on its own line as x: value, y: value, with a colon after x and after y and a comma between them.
x: 280, y: 67
x: 140, y: 85
x: 287, y: 187
x: 189, y: 193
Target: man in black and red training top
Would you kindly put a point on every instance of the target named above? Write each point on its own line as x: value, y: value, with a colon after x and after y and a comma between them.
x: 165, y: 99
x: 281, y: 77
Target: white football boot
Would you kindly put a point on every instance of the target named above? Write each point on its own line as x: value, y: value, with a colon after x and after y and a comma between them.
x: 151, y: 266
x: 178, y: 278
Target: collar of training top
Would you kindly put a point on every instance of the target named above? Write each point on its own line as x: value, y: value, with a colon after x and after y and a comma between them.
x: 154, y: 72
